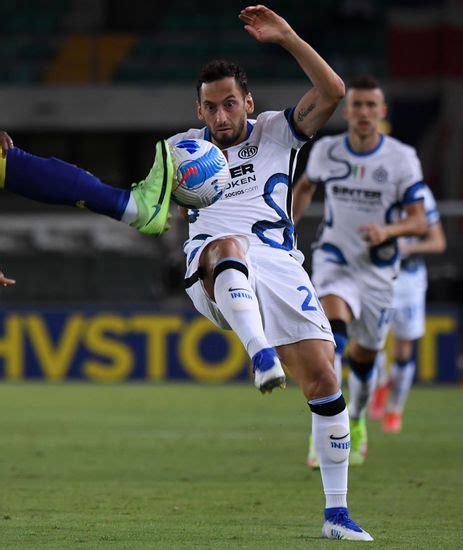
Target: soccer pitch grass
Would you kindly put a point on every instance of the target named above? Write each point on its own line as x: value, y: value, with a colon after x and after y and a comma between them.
x: 187, y: 466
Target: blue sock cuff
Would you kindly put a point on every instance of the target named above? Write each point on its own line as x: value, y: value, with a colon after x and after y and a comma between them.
x: 327, y: 399
x: 230, y: 259
x: 230, y: 263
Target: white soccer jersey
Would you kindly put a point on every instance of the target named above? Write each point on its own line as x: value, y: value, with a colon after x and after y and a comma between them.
x: 257, y: 201
x: 362, y: 188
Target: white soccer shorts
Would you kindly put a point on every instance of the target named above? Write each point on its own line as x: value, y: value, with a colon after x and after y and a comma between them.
x: 289, y: 306
x: 371, y: 308
x: 409, y: 321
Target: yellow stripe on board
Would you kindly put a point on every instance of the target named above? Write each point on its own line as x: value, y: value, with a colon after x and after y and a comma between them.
x: 88, y: 58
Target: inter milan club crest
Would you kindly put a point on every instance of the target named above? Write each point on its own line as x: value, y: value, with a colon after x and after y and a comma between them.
x: 380, y: 175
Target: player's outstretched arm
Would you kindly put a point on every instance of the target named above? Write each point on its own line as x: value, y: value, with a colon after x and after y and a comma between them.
x: 434, y: 242
x: 302, y: 196
x: 318, y: 104
x: 6, y: 281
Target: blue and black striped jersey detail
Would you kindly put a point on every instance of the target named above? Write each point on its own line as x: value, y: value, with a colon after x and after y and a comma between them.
x: 289, y: 115
x: 410, y: 195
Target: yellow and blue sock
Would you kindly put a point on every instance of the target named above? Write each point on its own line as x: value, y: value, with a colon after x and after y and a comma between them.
x: 54, y: 181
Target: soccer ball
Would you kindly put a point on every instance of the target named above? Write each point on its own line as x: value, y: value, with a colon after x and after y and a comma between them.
x: 201, y: 173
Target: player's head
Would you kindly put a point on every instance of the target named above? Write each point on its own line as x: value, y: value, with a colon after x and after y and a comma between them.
x: 365, y: 107
x: 224, y: 102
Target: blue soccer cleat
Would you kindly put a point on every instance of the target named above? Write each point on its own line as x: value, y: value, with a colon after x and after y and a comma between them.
x: 338, y: 525
x: 268, y: 372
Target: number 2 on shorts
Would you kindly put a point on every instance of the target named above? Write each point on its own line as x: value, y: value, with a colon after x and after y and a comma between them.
x: 305, y: 304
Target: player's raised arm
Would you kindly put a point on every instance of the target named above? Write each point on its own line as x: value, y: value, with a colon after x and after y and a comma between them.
x: 318, y: 104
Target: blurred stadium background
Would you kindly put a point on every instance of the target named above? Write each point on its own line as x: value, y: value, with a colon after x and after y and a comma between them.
x: 96, y: 84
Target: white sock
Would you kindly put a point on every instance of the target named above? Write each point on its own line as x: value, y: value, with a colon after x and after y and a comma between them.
x: 359, y: 394
x: 338, y: 367
x: 241, y: 309
x: 402, y: 380
x: 131, y: 211
x: 381, y: 373
x: 333, y: 455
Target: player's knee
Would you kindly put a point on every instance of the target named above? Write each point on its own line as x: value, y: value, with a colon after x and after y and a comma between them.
x: 222, y: 248
x: 323, y: 380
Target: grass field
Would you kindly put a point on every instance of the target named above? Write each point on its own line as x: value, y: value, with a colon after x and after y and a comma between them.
x: 187, y: 466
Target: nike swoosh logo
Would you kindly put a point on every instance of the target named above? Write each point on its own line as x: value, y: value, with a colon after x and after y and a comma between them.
x: 342, y: 437
x: 234, y: 289
x: 155, y: 213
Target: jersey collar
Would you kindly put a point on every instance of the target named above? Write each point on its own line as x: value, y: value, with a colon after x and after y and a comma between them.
x: 363, y: 153
x: 249, y: 128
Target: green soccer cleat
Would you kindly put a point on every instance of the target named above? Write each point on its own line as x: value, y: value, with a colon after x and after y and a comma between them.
x: 152, y: 195
x: 358, y: 442
x: 312, y: 458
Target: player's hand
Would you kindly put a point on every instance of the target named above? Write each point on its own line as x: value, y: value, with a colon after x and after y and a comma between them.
x: 5, y: 281
x: 373, y: 233
x: 264, y: 24
x: 6, y: 143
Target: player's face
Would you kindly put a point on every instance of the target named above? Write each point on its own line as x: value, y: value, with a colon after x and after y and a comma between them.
x: 224, y: 110
x: 364, y: 111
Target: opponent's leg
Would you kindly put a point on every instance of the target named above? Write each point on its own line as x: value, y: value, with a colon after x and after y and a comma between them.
x: 51, y: 180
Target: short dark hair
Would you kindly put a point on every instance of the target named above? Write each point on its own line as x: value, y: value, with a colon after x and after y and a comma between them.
x: 221, y: 68
x: 364, y: 82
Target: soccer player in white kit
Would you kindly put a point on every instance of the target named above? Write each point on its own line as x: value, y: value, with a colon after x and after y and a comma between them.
x: 408, y: 324
x: 369, y: 179
x: 243, y: 270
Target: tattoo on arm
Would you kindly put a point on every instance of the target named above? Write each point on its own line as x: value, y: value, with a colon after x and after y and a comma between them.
x: 304, y: 112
